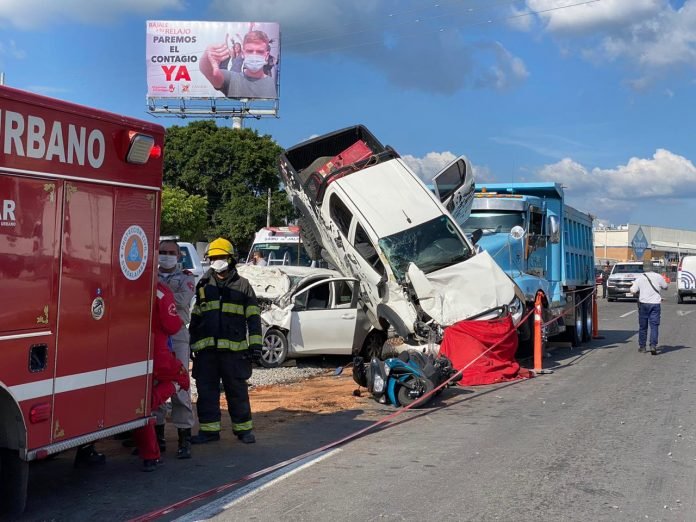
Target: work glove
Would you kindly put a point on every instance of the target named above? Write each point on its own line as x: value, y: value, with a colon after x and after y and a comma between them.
x: 256, y: 353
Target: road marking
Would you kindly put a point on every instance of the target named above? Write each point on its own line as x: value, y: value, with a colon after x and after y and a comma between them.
x: 218, y: 507
x: 683, y: 312
x: 628, y: 313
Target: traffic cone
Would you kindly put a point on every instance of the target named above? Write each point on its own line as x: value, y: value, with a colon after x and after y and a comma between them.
x: 595, y: 319
x: 537, y: 335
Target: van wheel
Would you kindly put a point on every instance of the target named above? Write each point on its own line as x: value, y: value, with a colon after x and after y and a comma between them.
x: 14, y: 478
x: 680, y: 299
x: 275, y: 349
x: 310, y: 242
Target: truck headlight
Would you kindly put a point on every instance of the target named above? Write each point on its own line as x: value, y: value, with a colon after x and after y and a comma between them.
x: 516, y: 308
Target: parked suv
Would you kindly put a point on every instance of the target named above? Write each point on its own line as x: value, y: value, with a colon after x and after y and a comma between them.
x: 373, y: 219
x: 621, y: 278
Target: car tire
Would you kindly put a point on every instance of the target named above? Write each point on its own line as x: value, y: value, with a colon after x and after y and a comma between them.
x: 680, y: 299
x: 274, y: 350
x: 611, y: 299
x: 310, y: 242
x: 14, y: 477
x: 372, y: 347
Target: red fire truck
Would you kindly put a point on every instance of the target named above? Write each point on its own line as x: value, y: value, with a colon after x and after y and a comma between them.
x: 79, y: 207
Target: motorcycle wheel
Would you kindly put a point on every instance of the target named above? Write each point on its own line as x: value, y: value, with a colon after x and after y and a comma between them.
x: 403, y: 395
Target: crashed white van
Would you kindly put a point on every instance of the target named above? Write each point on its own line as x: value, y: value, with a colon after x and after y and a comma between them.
x: 376, y: 221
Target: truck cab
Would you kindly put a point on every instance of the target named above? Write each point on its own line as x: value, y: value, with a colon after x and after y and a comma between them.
x: 544, y: 245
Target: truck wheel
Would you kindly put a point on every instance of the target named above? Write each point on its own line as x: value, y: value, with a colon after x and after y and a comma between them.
x: 574, y: 330
x: 310, y: 242
x: 275, y: 349
x: 587, y: 319
x: 14, y: 477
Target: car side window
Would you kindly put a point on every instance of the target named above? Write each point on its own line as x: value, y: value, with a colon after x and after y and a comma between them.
x: 340, y: 214
x: 343, y: 292
x: 366, y: 249
x: 318, y: 297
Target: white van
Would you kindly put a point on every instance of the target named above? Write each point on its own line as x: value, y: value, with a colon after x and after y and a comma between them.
x: 686, y: 278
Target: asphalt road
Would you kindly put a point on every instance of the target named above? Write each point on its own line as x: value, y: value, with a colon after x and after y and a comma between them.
x: 610, y: 435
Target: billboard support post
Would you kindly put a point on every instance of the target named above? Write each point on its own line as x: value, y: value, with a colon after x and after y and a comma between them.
x: 237, y: 122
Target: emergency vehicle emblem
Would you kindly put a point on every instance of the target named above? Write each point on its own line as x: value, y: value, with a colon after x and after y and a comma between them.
x: 98, y: 308
x: 133, y: 252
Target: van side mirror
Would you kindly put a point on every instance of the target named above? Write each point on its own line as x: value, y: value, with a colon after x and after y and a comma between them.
x: 554, y: 229
x: 476, y: 235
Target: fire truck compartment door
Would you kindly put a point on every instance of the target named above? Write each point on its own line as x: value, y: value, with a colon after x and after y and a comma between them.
x: 85, y: 287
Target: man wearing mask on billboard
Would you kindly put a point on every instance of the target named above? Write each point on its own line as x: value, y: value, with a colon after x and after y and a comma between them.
x: 252, y: 82
x: 182, y: 284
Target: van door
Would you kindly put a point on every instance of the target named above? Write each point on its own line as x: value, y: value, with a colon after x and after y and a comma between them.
x: 454, y: 186
x: 85, y: 287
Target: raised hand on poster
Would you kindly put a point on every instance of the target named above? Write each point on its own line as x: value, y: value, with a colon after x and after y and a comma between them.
x: 210, y: 62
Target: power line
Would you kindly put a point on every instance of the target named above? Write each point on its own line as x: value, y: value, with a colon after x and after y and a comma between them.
x: 489, y: 21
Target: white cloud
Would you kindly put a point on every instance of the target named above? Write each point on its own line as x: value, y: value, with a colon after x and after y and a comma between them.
x: 591, y: 16
x: 651, y: 36
x: 40, y: 13
x: 433, y: 162
x: 665, y: 176
x: 10, y: 49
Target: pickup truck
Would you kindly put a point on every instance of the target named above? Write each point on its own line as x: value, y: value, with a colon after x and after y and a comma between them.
x: 376, y: 221
x: 545, y: 245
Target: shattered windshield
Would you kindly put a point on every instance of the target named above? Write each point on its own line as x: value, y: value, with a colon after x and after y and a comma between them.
x: 493, y: 222
x: 433, y: 245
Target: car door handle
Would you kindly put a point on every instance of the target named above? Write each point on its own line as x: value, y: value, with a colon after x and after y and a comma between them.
x: 348, y: 316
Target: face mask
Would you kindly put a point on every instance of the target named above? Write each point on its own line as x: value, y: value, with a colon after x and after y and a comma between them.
x: 219, y: 265
x: 254, y: 62
x: 167, y: 261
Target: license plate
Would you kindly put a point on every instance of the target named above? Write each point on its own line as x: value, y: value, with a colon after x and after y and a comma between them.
x: 629, y: 295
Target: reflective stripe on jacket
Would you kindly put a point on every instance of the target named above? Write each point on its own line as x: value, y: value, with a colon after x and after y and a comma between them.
x: 224, y: 312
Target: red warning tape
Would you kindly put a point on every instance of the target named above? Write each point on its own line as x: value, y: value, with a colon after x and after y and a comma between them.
x: 205, y: 494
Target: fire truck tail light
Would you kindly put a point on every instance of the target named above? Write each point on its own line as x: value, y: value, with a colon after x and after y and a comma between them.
x: 140, y: 148
x: 40, y: 413
x: 156, y: 152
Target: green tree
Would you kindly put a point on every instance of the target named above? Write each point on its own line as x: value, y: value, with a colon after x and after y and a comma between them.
x: 183, y: 214
x: 233, y: 169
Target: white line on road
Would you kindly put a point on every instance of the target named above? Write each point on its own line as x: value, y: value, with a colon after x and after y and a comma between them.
x: 217, y: 507
x: 628, y: 313
x: 683, y: 312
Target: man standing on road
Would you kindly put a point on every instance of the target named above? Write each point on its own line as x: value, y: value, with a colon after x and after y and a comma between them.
x: 225, y: 310
x: 182, y: 284
x: 648, y: 285
x: 605, y: 279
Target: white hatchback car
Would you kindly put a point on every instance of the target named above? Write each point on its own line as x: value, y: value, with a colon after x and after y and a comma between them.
x: 310, y: 311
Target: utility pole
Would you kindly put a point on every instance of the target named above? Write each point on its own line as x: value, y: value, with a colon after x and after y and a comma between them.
x: 268, y: 209
x: 2, y: 78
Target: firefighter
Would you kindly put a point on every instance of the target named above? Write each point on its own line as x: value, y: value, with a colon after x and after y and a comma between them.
x: 168, y: 374
x: 224, y: 311
x: 182, y: 284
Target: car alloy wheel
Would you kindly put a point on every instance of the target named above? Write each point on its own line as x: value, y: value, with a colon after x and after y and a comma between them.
x: 275, y: 349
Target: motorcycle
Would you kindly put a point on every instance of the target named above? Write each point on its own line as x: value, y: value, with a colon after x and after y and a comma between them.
x: 403, y: 380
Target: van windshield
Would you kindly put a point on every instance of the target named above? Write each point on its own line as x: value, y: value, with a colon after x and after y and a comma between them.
x: 433, y: 245
x: 279, y: 253
x: 493, y: 222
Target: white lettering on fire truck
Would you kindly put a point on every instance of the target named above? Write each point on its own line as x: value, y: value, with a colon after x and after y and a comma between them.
x: 30, y: 137
x: 7, y: 213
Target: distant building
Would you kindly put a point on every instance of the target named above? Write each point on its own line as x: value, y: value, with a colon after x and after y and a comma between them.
x: 664, y: 246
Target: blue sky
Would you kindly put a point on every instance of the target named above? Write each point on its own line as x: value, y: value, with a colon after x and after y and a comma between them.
x: 596, y: 95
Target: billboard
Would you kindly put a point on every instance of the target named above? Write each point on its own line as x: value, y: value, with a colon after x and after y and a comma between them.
x: 236, y: 60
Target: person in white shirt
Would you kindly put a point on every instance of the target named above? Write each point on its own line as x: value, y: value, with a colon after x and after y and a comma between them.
x: 258, y: 259
x: 648, y: 286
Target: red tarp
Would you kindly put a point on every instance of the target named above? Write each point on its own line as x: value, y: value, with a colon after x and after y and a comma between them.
x: 465, y: 340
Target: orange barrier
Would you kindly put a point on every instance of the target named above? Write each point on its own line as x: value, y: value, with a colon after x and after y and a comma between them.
x: 595, y: 319
x: 537, y: 334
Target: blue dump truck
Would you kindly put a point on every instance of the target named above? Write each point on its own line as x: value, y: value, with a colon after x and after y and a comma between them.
x: 545, y: 245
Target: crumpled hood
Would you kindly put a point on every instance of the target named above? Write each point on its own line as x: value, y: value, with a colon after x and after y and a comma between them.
x: 463, y: 290
x: 267, y: 282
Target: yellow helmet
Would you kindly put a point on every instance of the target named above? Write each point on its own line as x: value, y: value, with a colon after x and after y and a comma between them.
x: 220, y: 247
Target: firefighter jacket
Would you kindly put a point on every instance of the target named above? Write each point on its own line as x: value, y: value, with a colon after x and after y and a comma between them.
x: 183, y: 285
x: 224, y: 311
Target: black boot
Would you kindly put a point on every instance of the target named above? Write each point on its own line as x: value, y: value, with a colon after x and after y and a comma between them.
x: 184, y: 451
x: 159, y: 431
x: 88, y: 456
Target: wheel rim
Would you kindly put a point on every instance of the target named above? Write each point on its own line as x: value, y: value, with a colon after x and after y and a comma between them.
x: 272, y: 349
x: 588, y: 320
x: 578, y: 322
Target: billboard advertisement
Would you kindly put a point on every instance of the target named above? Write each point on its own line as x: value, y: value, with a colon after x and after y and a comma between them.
x: 237, y: 60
